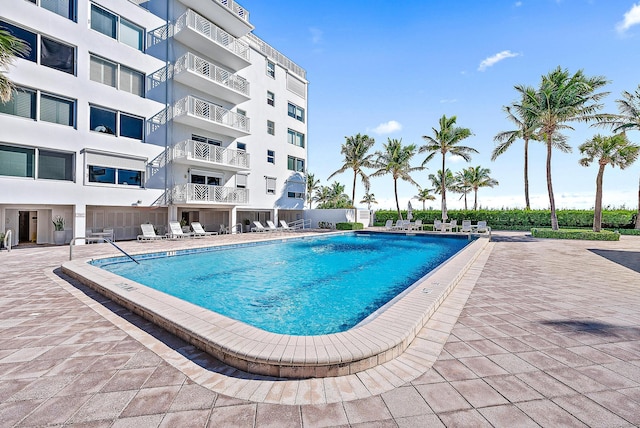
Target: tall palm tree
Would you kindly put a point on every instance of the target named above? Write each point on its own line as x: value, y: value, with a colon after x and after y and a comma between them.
x: 561, y: 99
x: 437, y: 178
x: 322, y: 195
x: 356, y: 156
x: 613, y: 150
x: 395, y: 159
x: 526, y: 130
x: 369, y: 198
x: 463, y: 183
x: 312, y: 185
x: 446, y: 140
x: 627, y: 120
x: 10, y: 48
x: 480, y: 178
x: 423, y: 196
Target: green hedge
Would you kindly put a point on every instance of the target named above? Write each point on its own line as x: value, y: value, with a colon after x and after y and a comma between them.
x: 588, y: 235
x: 512, y: 219
x: 349, y: 226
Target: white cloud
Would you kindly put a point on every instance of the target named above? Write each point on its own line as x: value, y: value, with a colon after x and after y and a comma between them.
x: 492, y: 60
x: 631, y: 18
x: 388, y: 127
x: 448, y: 101
x: 316, y: 35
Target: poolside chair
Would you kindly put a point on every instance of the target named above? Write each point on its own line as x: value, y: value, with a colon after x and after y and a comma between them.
x: 272, y: 227
x: 452, y: 226
x: 198, y: 230
x: 437, y: 225
x: 417, y: 225
x: 398, y: 225
x: 258, y: 227
x: 482, y: 227
x: 466, y: 226
x: 223, y: 229
x: 389, y: 224
x: 148, y: 233
x: 285, y: 227
x: 175, y: 231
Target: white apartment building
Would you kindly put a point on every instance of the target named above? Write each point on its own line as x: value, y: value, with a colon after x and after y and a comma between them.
x: 132, y: 111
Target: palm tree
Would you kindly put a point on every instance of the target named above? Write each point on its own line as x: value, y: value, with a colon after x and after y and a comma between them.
x: 526, y: 130
x: 627, y: 120
x: 10, y: 48
x: 355, y: 151
x: 561, y: 98
x: 395, y: 159
x: 463, y: 183
x: 480, y: 178
x: 369, y: 198
x: 613, y: 150
x: 312, y: 185
x: 436, y: 181
x: 423, y: 196
x: 322, y: 195
x: 445, y: 140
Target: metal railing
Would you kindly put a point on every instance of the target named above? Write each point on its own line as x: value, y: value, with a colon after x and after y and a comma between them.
x: 7, y: 240
x: 275, y: 55
x: 191, y: 192
x: 211, y: 72
x: 235, y: 8
x: 206, y: 152
x: 198, y: 23
x: 96, y: 239
x: 211, y: 112
x: 300, y: 224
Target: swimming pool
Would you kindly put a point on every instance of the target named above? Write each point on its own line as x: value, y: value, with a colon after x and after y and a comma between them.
x: 377, y: 340
x: 300, y: 287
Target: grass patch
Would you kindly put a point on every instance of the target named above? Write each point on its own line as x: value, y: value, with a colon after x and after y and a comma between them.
x: 588, y: 235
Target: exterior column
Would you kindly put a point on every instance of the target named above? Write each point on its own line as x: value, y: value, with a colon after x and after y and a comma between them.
x: 79, y: 222
x: 233, y: 219
x: 172, y: 214
x: 276, y: 221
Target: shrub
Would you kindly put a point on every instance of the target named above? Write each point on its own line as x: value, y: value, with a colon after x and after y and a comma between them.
x: 589, y: 235
x: 349, y: 226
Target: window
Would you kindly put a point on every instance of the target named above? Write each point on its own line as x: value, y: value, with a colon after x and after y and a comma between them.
x: 241, y: 146
x: 22, y: 103
x: 57, y: 110
x: 55, y: 165
x: 118, y: 28
x: 116, y: 75
x: 295, y: 112
x: 64, y: 8
x: 241, y: 112
x: 130, y: 178
x: 57, y: 55
x: 27, y: 36
x: 206, y: 178
x: 16, y: 161
x: 296, y: 195
x: 271, y: 185
x: 111, y: 175
x: 296, y: 138
x: 295, y: 164
x: 271, y: 98
x: 271, y: 156
x: 271, y: 69
x: 241, y: 181
x: 105, y: 121
x: 271, y: 128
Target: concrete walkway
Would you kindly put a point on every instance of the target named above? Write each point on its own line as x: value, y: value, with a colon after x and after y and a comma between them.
x: 539, y: 333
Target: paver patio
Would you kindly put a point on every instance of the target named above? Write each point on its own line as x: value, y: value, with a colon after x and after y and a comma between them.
x: 538, y: 333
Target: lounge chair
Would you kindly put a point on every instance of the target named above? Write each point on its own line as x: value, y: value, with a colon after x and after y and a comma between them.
x: 148, y: 233
x: 482, y: 227
x: 285, y: 226
x: 175, y: 231
x: 466, y: 226
x: 417, y: 225
x: 452, y: 226
x: 437, y: 225
x: 272, y: 227
x: 389, y: 224
x: 258, y: 227
x: 223, y: 229
x: 198, y: 230
x: 398, y: 226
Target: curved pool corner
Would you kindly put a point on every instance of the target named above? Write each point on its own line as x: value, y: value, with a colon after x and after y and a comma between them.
x: 381, y: 339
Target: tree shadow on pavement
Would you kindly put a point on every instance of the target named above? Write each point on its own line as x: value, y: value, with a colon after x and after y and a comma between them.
x: 628, y: 259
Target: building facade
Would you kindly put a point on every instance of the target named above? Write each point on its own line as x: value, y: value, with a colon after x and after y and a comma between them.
x: 129, y: 112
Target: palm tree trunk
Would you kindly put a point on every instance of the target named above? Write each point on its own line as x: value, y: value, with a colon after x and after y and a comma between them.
x: 465, y: 201
x: 423, y: 206
x: 552, y: 201
x: 353, y: 193
x: 475, y: 199
x: 526, y: 174
x: 444, y: 193
x: 395, y: 190
x: 597, y: 209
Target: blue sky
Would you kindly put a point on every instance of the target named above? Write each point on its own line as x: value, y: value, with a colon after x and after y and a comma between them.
x: 392, y: 69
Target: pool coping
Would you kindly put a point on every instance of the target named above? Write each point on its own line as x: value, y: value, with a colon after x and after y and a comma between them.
x: 286, y: 356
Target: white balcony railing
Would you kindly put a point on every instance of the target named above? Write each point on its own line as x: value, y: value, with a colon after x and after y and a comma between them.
x: 211, y: 112
x: 197, y: 23
x: 235, y: 8
x: 212, y: 72
x: 190, y: 192
x: 205, y: 152
x: 275, y: 55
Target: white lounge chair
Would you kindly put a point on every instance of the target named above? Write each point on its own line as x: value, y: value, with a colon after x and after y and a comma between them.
x: 398, y: 226
x: 223, y: 229
x: 482, y: 227
x: 258, y: 227
x: 175, y: 231
x: 417, y: 225
x: 466, y: 226
x: 272, y: 227
x: 452, y: 226
x: 437, y: 225
x: 285, y: 226
x: 388, y: 224
x: 198, y: 230
x: 148, y: 233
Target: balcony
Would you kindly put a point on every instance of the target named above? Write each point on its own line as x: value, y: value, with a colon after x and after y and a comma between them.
x: 196, y: 153
x: 202, y: 114
x: 203, y: 193
x: 226, y: 13
x: 198, y: 73
x: 200, y: 34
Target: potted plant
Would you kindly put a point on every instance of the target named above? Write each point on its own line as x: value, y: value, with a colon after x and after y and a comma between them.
x: 247, y: 225
x: 184, y: 226
x: 59, y: 234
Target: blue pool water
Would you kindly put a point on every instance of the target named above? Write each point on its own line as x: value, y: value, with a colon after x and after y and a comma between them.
x: 301, y: 286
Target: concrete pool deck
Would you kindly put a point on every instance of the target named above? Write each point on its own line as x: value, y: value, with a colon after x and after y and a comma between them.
x: 538, y: 332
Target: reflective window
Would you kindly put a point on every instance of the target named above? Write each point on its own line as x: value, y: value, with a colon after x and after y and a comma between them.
x: 22, y: 103
x: 16, y: 161
x: 27, y: 36
x: 296, y: 138
x: 271, y: 69
x: 102, y: 71
x: 130, y: 178
x: 131, y: 126
x: 103, y: 21
x: 102, y: 120
x: 55, y: 165
x: 295, y: 112
x: 131, y: 81
x: 116, y: 27
x: 271, y: 156
x: 295, y: 164
x: 56, y: 110
x: 101, y: 174
x: 271, y: 128
x: 57, y: 55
